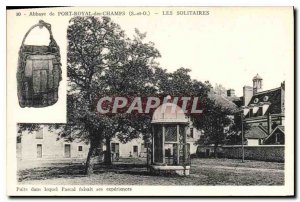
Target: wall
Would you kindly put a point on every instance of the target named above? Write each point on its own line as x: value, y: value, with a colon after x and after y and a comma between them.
x: 196, y: 136
x: 261, y: 152
x: 253, y: 142
x: 193, y: 146
x: 52, y: 149
x: 126, y: 149
x: 247, y: 94
x: 208, y: 151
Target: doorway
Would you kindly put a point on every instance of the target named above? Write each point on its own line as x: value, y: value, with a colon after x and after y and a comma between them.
x: 67, y: 150
x: 39, y: 150
x: 135, y: 151
x: 207, y: 152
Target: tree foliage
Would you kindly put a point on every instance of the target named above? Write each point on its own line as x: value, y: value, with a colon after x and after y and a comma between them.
x: 102, y: 61
x: 217, y: 121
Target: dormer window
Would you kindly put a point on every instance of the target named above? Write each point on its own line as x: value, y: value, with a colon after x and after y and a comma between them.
x: 266, y: 98
x: 256, y: 100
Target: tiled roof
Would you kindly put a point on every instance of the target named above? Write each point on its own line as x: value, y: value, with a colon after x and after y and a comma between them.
x: 264, y: 128
x: 238, y: 101
x: 255, y: 132
x: 281, y: 128
x: 272, y: 96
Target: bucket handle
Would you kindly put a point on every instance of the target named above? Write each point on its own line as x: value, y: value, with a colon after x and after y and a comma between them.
x: 41, y: 24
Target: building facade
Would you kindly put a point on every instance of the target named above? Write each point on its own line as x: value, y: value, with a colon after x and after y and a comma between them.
x: 44, y: 145
x: 264, y: 114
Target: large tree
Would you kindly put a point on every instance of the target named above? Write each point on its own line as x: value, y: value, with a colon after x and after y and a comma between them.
x: 102, y: 61
x: 219, y: 89
x: 217, y: 121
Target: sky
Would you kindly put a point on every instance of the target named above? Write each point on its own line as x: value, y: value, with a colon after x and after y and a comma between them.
x: 228, y: 47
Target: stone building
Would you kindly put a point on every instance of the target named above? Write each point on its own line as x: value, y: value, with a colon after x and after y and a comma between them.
x: 43, y: 145
x: 264, y: 113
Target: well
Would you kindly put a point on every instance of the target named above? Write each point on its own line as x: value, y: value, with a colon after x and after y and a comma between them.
x: 170, y: 151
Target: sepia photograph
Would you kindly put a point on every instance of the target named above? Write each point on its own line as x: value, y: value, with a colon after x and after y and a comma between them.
x: 150, y: 101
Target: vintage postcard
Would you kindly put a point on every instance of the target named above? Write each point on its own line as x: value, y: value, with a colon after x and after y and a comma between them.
x: 150, y: 101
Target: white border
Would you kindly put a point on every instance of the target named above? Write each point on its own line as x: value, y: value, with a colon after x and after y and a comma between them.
x: 109, y: 3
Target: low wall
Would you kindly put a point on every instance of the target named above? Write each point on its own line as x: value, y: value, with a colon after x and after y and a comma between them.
x: 261, y: 152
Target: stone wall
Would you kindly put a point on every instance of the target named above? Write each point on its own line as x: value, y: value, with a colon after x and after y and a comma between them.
x: 261, y: 152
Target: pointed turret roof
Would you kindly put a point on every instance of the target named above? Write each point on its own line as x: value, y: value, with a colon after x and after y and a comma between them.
x: 257, y: 77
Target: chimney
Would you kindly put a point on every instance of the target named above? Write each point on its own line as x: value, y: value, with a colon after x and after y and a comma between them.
x: 231, y: 93
x: 247, y: 94
x: 283, y: 85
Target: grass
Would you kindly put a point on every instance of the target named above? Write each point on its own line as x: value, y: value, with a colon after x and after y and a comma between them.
x: 134, y: 172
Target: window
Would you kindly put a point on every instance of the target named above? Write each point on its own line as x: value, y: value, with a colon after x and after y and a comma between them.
x: 171, y: 133
x: 79, y: 148
x: 135, y: 148
x: 39, y: 150
x: 39, y: 134
x: 115, y: 147
x: 192, y: 132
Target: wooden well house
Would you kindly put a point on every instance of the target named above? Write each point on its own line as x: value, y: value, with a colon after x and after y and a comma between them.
x: 170, y: 151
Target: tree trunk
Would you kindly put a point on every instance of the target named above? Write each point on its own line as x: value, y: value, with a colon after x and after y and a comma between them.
x: 108, y: 152
x: 101, y: 155
x: 216, y: 150
x: 89, y: 165
x: 90, y: 161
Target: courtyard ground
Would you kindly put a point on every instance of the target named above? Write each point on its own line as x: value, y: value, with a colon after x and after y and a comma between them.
x: 134, y: 172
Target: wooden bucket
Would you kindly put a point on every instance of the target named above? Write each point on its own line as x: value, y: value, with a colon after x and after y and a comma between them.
x: 39, y: 72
